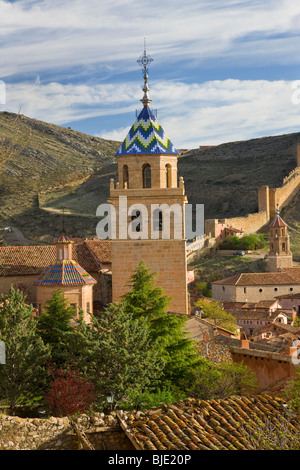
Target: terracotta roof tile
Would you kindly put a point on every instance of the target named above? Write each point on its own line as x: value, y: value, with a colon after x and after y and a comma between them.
x: 250, y: 279
x: 277, y: 222
x: 26, y: 260
x: 203, y: 425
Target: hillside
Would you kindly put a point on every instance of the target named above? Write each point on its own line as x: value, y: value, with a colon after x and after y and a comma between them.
x: 38, y: 158
x: 226, y: 177
x: 51, y: 168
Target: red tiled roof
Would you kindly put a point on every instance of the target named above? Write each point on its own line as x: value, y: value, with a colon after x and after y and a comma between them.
x: 221, y: 424
x: 26, y: 260
x: 101, y: 249
x: 278, y: 222
x: 250, y: 279
x: 295, y: 272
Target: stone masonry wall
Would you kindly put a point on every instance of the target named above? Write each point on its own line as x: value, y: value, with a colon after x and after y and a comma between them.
x: 268, y: 198
x: 103, y: 432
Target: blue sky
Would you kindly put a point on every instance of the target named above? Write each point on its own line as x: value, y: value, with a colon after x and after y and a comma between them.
x: 222, y: 70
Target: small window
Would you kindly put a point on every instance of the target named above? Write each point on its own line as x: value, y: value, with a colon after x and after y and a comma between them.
x: 275, y: 289
x: 125, y: 177
x: 245, y: 290
x: 260, y: 290
x: 291, y: 289
x: 283, y: 247
x: 168, y: 175
x: 147, y: 176
x: 74, y: 306
x: 88, y: 307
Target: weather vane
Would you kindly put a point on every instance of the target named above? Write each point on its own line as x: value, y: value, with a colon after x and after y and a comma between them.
x: 145, y: 60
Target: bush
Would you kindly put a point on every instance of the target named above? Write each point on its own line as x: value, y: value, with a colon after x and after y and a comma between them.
x: 253, y: 241
x: 69, y: 393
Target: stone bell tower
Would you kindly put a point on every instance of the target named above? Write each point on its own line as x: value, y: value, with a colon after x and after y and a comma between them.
x: 280, y: 255
x: 149, y: 202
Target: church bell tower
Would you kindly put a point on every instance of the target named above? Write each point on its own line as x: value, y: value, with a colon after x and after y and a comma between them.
x: 280, y: 255
x: 149, y: 201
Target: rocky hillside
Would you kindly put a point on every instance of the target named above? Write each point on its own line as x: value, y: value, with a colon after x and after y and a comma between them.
x: 37, y: 159
x: 47, y: 169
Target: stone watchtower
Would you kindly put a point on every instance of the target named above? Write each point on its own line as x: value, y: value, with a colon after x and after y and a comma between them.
x: 280, y: 255
x: 149, y: 206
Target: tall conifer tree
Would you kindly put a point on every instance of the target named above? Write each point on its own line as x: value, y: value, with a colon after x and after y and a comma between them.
x: 147, y: 301
x: 23, y: 375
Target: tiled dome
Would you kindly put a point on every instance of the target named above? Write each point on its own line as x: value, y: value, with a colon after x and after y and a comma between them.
x: 64, y: 273
x: 146, y: 136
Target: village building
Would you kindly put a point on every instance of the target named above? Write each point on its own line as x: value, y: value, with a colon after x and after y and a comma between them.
x: 21, y: 266
x: 290, y: 301
x: 148, y: 182
x: 251, y: 321
x: 253, y: 287
x: 66, y: 275
x: 277, y: 333
x: 270, y: 362
x: 282, y: 279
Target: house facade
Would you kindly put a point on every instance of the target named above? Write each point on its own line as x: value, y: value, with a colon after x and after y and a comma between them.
x: 254, y: 287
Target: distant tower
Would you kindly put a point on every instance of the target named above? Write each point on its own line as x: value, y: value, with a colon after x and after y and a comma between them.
x: 280, y: 255
x: 147, y: 176
x: 66, y: 275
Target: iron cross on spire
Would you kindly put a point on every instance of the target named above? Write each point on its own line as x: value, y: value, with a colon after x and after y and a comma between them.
x: 144, y: 62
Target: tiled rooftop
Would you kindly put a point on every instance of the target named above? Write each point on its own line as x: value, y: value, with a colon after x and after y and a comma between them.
x: 277, y: 222
x: 204, y: 425
x: 291, y: 276
x: 64, y: 273
x: 26, y: 260
x: 257, y: 315
x: 146, y: 136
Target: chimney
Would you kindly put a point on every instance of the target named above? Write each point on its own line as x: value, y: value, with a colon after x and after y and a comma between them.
x: 244, y: 342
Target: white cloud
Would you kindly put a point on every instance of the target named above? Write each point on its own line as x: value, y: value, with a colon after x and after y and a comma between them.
x: 222, y: 111
x: 55, y: 34
x: 191, y: 114
x: 69, y: 37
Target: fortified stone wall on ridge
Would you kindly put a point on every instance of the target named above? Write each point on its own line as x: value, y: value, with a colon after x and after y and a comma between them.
x: 268, y: 198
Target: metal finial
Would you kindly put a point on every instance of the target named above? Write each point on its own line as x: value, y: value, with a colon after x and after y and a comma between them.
x: 277, y: 209
x: 144, y: 61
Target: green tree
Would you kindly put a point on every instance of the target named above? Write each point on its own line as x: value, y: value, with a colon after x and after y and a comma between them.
x: 126, y: 360
x: 204, y: 288
x: 54, y: 323
x: 293, y: 392
x: 214, y: 311
x: 148, y: 302
x: 222, y: 381
x: 252, y: 241
x: 24, y: 375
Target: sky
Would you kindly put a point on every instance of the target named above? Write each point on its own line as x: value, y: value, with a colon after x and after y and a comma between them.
x: 222, y: 71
